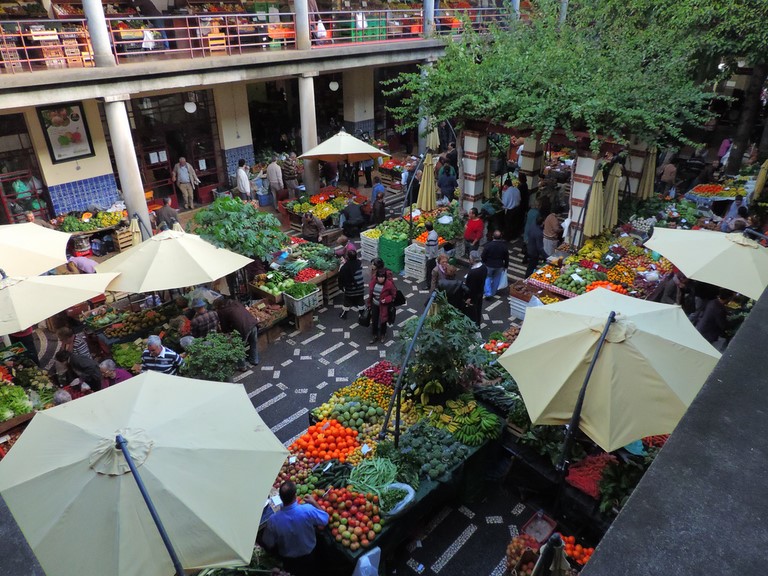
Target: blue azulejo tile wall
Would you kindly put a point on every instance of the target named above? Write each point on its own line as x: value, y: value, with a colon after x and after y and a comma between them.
x: 233, y: 155
x: 100, y: 191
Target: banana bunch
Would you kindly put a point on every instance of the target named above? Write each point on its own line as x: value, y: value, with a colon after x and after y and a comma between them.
x: 431, y: 387
x: 470, y: 423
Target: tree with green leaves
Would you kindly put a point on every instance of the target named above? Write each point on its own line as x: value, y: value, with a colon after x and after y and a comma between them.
x: 240, y: 227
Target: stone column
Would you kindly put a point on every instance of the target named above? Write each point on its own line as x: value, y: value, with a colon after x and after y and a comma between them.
x: 99, y: 33
x: 125, y: 158
x: 357, y: 85
x: 531, y: 163
x: 473, y: 157
x: 638, y: 152
x: 303, y: 39
x: 308, y: 120
x: 583, y: 175
x: 233, y: 120
x: 429, y: 18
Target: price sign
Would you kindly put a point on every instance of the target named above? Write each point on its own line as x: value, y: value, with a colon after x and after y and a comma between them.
x: 327, y: 466
x: 577, y: 278
x: 609, y: 257
x: 292, y: 459
x: 547, y: 275
x: 594, y: 266
x: 325, y: 426
x: 365, y: 449
x: 4, y: 439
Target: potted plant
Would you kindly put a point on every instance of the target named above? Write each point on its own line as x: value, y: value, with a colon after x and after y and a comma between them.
x: 214, y: 357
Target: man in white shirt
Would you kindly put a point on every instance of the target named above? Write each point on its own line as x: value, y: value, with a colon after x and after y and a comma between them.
x: 243, y: 183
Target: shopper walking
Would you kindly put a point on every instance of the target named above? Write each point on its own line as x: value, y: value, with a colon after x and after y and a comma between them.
x: 352, y: 283
x: 475, y: 282
x: 510, y: 200
x: 447, y: 183
x: 234, y: 317
x: 381, y: 297
x: 541, y: 207
x: 291, y: 175
x: 379, y: 211
x: 496, y: 258
x: 367, y: 170
x: 438, y: 272
x: 432, y: 248
x: 455, y: 291
x: 185, y: 178
x: 275, y: 178
x: 535, y: 246
x: 204, y: 321
x: 473, y: 231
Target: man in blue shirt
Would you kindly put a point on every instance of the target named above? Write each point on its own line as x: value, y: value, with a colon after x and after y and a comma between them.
x: 291, y: 531
x: 510, y: 200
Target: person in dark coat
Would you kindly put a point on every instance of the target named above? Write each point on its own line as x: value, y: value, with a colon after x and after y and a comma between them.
x: 234, y: 317
x: 496, y: 258
x: 378, y: 214
x: 714, y: 320
x: 351, y: 283
x: 535, y: 246
x: 475, y: 283
x: 84, y: 368
x: 381, y: 296
x: 455, y: 290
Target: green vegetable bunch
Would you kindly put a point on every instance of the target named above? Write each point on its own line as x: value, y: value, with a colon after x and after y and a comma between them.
x: 127, y: 355
x: 214, y: 357
x: 13, y: 402
x: 373, y: 475
x: 300, y: 289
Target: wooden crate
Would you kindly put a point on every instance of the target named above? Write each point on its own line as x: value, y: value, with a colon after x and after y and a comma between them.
x: 123, y: 239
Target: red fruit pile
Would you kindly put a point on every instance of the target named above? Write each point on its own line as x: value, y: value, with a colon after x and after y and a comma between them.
x: 577, y: 552
x: 383, y: 372
x: 307, y: 274
x: 354, y: 518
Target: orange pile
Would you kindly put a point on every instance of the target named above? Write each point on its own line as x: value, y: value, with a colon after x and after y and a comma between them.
x: 607, y: 285
x: 326, y: 440
x: 422, y: 238
x: 576, y: 551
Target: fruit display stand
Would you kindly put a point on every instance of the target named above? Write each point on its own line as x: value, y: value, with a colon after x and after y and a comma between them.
x: 130, y: 325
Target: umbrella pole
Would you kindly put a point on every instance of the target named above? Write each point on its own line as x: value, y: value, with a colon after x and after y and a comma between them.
x: 562, y: 467
x: 123, y: 445
x: 396, y: 396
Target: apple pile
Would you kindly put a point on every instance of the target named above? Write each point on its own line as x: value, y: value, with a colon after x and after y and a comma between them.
x: 354, y: 519
x: 383, y: 372
x: 297, y: 471
x: 517, y: 546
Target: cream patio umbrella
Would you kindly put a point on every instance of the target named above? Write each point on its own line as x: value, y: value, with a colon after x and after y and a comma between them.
x: 206, y: 458
x: 433, y: 140
x: 25, y: 301
x: 593, y: 220
x: 28, y: 249
x: 427, y: 199
x: 169, y: 260
x: 645, y: 187
x: 649, y: 370
x: 343, y: 146
x: 730, y: 261
x: 761, y: 178
x: 611, y: 214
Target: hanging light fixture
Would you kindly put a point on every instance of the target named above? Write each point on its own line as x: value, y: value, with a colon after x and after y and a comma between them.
x: 333, y: 86
x: 190, y: 105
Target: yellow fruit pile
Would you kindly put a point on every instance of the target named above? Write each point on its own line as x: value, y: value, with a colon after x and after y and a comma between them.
x: 302, y: 207
x: 324, y: 210
x: 367, y: 389
x: 620, y: 274
x: 373, y: 234
x: 541, y: 274
x: 548, y: 298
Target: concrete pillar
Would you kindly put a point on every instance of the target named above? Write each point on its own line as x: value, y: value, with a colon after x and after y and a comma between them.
x: 357, y: 85
x: 429, y: 18
x: 583, y: 175
x: 423, y: 136
x: 99, y: 33
x: 308, y: 120
x: 234, y: 124
x: 531, y: 163
x: 303, y: 38
x: 125, y: 158
x: 473, y: 158
x: 638, y: 152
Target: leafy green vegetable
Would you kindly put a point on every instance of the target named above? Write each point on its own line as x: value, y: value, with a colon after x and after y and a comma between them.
x: 13, y: 402
x: 389, y: 498
x: 127, y: 355
x: 214, y: 357
x: 300, y: 289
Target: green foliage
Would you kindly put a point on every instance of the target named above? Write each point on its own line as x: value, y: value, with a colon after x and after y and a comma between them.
x: 620, y: 479
x: 214, y: 357
x: 240, y: 227
x: 609, y: 79
x: 444, y: 348
x: 549, y: 440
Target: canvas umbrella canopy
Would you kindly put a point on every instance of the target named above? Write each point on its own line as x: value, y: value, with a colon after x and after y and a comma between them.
x: 593, y: 221
x: 761, y: 178
x: 433, y: 140
x: 730, y: 261
x: 135, y: 232
x: 28, y: 249
x: 26, y: 301
x: 611, y: 214
x: 169, y: 260
x: 343, y: 146
x: 651, y: 367
x: 427, y: 199
x: 645, y: 188
x: 206, y: 458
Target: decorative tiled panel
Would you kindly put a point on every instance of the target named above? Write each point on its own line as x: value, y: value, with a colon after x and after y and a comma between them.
x: 100, y: 191
x: 362, y: 125
x: 233, y: 155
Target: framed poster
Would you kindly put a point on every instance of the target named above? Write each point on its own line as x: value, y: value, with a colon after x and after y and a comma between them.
x: 66, y: 131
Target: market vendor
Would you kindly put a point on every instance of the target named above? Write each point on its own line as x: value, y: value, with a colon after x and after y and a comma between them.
x: 111, y: 374
x: 84, y: 265
x: 353, y: 218
x: 158, y: 358
x: 205, y: 321
x: 74, y: 342
x: 166, y: 216
x: 30, y: 217
x: 311, y: 227
x: 713, y: 323
x: 291, y: 531
x: 82, y: 367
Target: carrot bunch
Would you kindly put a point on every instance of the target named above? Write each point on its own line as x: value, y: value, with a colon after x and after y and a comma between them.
x: 326, y: 440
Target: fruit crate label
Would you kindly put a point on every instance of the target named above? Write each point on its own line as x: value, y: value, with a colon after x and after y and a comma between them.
x: 577, y: 278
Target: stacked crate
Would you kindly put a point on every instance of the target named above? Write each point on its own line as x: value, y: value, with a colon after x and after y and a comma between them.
x: 416, y: 262
x: 393, y: 253
x: 369, y: 248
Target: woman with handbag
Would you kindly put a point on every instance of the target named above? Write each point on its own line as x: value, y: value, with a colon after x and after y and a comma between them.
x: 381, y: 297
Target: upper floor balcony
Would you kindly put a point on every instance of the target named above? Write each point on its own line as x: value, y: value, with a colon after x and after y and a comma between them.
x: 53, y: 44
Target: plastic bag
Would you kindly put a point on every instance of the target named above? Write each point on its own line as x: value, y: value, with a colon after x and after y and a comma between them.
x: 321, y: 32
x: 405, y: 502
x: 368, y: 564
x: 61, y: 396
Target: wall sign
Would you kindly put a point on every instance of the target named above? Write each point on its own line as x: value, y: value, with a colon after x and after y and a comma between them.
x: 66, y: 131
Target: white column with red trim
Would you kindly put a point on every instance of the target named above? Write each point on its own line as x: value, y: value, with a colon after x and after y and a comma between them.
x: 475, y: 152
x: 583, y: 175
x: 531, y: 162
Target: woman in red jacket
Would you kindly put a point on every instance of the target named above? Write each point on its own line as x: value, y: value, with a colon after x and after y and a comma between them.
x: 473, y: 232
x: 381, y: 295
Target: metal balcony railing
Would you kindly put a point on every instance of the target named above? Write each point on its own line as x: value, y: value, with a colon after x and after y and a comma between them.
x: 31, y: 45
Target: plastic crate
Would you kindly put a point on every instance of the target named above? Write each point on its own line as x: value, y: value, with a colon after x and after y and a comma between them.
x: 300, y: 306
x: 415, y: 272
x: 391, y: 248
x: 369, y: 247
x: 394, y: 263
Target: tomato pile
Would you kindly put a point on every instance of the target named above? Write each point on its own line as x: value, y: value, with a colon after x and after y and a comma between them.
x: 576, y: 551
x: 353, y: 518
x: 383, y: 372
x: 496, y: 346
x: 307, y: 274
x: 326, y: 440
x: 422, y: 238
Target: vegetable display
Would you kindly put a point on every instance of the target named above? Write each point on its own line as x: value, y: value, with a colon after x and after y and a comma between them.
x: 299, y: 290
x: 273, y: 282
x: 354, y: 518
x: 436, y: 451
x: 373, y: 475
x: 326, y: 440
x: 390, y: 498
x: 13, y: 402
x: 586, y: 474
x: 470, y: 423
x: 127, y: 355
x: 383, y: 372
